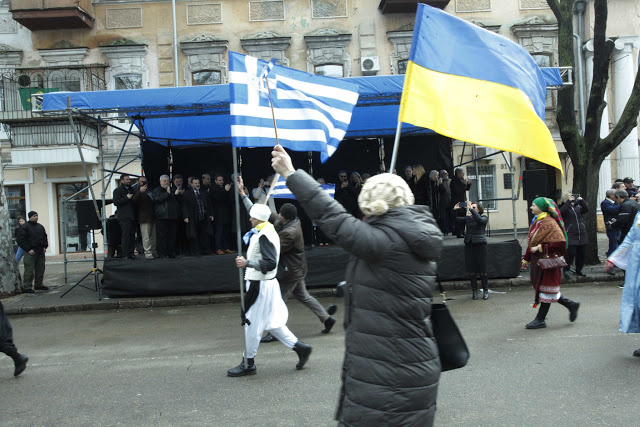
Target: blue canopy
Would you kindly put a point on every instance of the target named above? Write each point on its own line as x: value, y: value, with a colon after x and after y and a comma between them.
x: 195, y: 115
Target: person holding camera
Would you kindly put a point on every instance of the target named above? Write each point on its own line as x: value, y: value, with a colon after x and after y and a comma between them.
x: 475, y: 246
x: 572, y: 208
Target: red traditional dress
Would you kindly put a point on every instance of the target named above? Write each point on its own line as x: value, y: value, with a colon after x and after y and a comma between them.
x: 547, y: 234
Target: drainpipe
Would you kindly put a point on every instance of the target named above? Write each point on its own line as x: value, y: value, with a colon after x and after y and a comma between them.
x: 175, y: 42
x: 580, y: 6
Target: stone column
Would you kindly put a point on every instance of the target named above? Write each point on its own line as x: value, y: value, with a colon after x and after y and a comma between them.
x: 605, y: 180
x: 623, y: 78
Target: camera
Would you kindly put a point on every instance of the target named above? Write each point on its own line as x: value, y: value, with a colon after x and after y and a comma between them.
x: 463, y: 204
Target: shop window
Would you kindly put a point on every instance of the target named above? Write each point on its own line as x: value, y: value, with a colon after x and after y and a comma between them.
x: 206, y: 77
x: 483, y: 186
x: 76, y: 240
x: 329, y: 70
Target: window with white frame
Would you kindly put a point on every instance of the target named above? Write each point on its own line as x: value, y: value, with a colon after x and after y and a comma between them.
x: 128, y: 81
x: 329, y: 70
x: 483, y: 186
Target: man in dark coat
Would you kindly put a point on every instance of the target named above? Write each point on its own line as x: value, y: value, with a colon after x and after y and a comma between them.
x: 32, y: 238
x: 197, y: 215
x: 391, y: 366
x: 8, y: 347
x: 146, y: 217
x: 459, y: 188
x: 166, y: 211
x: 222, y: 201
x: 610, y: 210
x: 445, y: 202
x: 573, y: 210
x: 123, y: 199
x: 178, y: 189
x: 345, y: 194
x: 626, y: 214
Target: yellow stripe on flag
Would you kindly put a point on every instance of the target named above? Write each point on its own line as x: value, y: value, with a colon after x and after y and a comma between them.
x: 476, y: 111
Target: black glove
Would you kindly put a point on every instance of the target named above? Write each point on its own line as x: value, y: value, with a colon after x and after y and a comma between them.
x: 243, y: 316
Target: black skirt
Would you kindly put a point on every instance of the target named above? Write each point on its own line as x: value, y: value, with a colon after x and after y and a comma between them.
x: 475, y: 257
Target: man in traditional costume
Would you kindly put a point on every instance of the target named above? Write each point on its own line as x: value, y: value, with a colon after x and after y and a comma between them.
x: 264, y: 308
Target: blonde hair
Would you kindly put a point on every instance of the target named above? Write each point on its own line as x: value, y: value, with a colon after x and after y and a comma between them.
x: 383, y: 192
x: 419, y: 170
x: 566, y: 197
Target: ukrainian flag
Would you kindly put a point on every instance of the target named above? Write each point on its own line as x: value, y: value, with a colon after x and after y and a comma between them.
x: 474, y: 85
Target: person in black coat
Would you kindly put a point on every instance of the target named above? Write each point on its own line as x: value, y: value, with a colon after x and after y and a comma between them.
x: 445, y: 203
x: 459, y: 188
x: 626, y: 214
x: 222, y: 201
x: 475, y: 246
x: 178, y: 188
x: 197, y: 216
x: 166, y: 210
x: 32, y: 238
x: 8, y: 347
x: 421, y: 186
x: 123, y: 199
x: 572, y: 209
x: 345, y: 194
x: 610, y: 209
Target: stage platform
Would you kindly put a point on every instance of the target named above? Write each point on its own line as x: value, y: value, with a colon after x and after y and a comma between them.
x: 327, y: 265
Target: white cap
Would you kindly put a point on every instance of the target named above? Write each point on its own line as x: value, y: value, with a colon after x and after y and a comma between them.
x: 260, y: 212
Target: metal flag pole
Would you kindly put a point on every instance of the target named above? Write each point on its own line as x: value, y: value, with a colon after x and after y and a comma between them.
x: 396, y: 143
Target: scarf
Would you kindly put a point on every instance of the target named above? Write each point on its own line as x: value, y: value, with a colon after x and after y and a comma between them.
x: 255, y: 230
x: 549, y: 208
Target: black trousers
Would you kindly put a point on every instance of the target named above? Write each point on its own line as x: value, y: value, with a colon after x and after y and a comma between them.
x: 166, y: 237
x: 6, y: 335
x: 459, y: 225
x: 577, y: 252
x: 200, y: 243
x: 128, y: 227
x: 222, y: 236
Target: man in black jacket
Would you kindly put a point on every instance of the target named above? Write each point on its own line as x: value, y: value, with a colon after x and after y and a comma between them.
x: 8, y: 347
x: 459, y: 187
x: 123, y: 199
x: 626, y: 214
x: 166, y: 210
x: 222, y: 201
x: 197, y: 215
x: 145, y: 216
x: 32, y: 238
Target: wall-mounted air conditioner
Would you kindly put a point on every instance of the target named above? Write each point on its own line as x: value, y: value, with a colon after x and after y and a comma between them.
x: 369, y: 65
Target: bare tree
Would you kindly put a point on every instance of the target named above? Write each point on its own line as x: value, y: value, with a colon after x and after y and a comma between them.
x: 10, y: 279
x: 588, y: 152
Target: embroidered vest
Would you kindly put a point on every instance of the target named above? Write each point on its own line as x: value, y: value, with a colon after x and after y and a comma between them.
x: 254, y: 253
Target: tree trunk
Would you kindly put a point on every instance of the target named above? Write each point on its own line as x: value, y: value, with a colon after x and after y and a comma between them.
x: 10, y: 279
x: 585, y: 182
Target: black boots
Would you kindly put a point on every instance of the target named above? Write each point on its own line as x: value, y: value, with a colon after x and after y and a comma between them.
x: 19, y: 360
x: 268, y: 338
x: 572, y: 306
x: 328, y: 324
x: 485, y: 286
x: 474, y: 287
x: 538, y: 322
x: 240, y: 371
x: 303, y: 350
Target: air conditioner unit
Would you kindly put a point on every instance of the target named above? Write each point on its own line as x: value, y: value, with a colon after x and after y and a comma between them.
x: 369, y: 65
x: 485, y: 151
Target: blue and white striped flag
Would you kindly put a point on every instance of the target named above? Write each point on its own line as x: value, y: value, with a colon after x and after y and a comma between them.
x: 281, y: 191
x: 312, y: 112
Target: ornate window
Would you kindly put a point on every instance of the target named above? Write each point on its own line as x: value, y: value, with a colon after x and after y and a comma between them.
x: 329, y: 70
x: 205, y: 77
x: 328, y: 48
x: 127, y: 69
x: 267, y: 45
x: 205, y: 60
x: 401, y: 41
x: 128, y: 81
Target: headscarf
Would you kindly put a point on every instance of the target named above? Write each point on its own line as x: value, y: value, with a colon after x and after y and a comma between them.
x: 549, y: 207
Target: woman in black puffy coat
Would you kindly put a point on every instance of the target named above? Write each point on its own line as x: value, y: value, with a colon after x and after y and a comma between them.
x: 572, y: 209
x: 391, y: 367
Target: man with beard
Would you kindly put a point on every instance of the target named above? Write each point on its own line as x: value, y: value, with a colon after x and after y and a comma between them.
x: 123, y: 199
x: 197, y: 216
x: 345, y: 194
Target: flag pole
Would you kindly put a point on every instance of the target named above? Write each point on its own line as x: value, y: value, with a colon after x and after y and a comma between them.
x: 275, y: 128
x: 396, y: 143
x: 239, y: 243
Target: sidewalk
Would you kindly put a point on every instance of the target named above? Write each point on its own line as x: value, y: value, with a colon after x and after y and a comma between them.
x: 82, y: 299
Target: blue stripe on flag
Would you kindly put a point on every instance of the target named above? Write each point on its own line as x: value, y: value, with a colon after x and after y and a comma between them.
x: 281, y: 191
x: 312, y: 112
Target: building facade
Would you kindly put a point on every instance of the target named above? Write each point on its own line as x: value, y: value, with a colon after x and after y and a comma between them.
x: 83, y: 45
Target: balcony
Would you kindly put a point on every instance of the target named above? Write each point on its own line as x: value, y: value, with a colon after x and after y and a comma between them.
x: 53, y: 14
x: 408, y: 6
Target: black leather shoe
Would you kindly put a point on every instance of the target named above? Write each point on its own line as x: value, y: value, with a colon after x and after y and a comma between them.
x: 474, y: 293
x: 580, y: 273
x: 573, y: 310
x: 536, y: 324
x: 485, y: 294
x: 637, y: 353
x: 328, y: 324
x: 331, y: 310
x: 240, y: 371
x: 28, y: 291
x: 21, y: 364
x: 303, y: 350
x: 567, y: 275
x: 268, y: 338
x: 42, y: 288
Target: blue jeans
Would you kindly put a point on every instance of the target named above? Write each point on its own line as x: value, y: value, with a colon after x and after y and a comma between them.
x: 613, y: 236
x: 19, y: 254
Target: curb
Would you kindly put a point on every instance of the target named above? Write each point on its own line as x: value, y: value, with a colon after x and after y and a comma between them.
x: 208, y: 299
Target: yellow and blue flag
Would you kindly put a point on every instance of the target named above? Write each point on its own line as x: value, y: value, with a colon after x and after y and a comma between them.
x: 468, y: 83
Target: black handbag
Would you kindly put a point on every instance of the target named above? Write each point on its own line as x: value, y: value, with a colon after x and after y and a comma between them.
x: 453, y: 350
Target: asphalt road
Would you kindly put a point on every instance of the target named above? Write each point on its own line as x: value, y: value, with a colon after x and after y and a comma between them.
x: 168, y: 367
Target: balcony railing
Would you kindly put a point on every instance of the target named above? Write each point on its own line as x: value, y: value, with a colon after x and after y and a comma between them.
x: 21, y: 89
x: 53, y: 14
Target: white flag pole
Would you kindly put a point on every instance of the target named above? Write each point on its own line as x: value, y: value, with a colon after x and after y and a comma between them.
x: 396, y: 143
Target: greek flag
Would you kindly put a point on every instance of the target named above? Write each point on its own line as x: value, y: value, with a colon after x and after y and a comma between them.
x: 281, y: 191
x: 312, y: 112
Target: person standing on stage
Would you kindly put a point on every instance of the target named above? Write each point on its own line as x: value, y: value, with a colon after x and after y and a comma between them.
x: 222, y: 201
x: 167, y: 214
x: 32, y: 238
x: 178, y: 189
x: 391, y: 367
x: 547, y: 236
x: 264, y: 308
x: 445, y: 203
x: 197, y: 215
x: 145, y: 214
x: 475, y: 246
x: 123, y: 199
x: 459, y: 188
x: 8, y: 347
x: 421, y: 187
